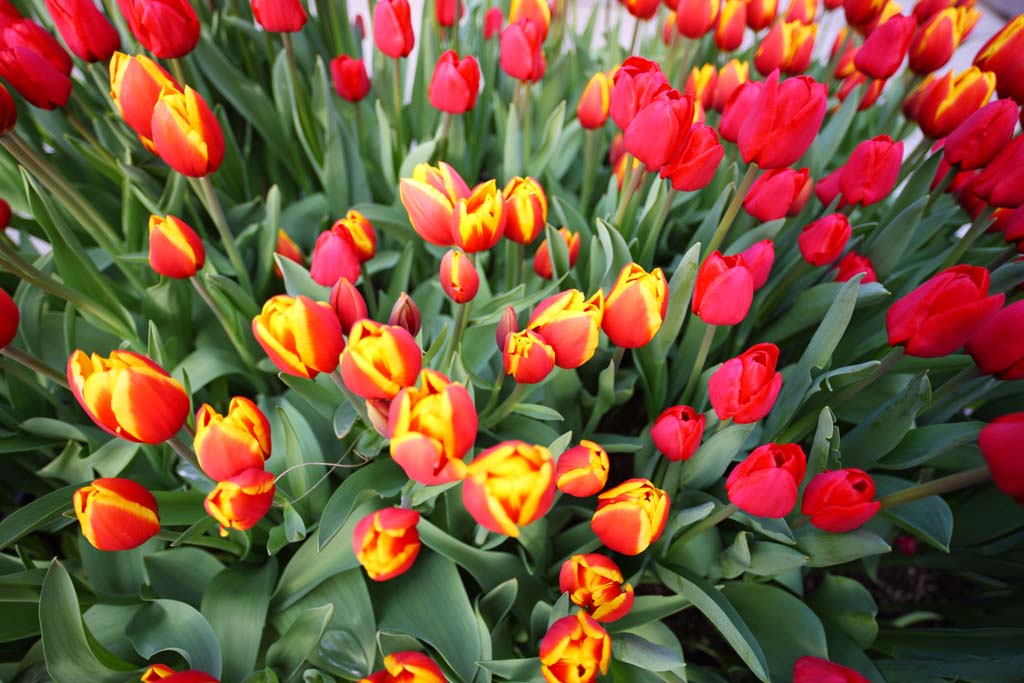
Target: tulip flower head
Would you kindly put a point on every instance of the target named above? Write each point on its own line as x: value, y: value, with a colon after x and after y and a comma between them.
x: 765, y: 483
x: 241, y: 501
x: 350, y: 79
x: 537, y: 11
x: 635, y: 307
x: 731, y: 25
x: 135, y: 87
x: 656, y: 133
x: 982, y: 135
x: 227, y: 445
x: 522, y: 54
x: 998, y: 346
x: 694, y: 18
x: 677, y: 432
x: 871, y: 172
x: 287, y: 248
x: 429, y: 197
x: 1001, y: 56
x: 164, y: 674
x: 478, y: 221
x: 509, y: 486
x: 851, y: 265
x: 407, y: 667
x: 574, y: 650
x: 386, y: 542
x: 582, y: 470
x: 301, y: 336
x: 814, y: 670
x: 527, y: 357
x: 701, y: 84
x: 840, y: 500
x: 116, y: 514
x: 33, y: 62
x: 335, y: 256
x: 448, y: 12
x: 947, y: 101
x: 279, y: 16
x: 569, y: 323
x: 778, y: 193
x: 592, y: 110
x: 527, y: 209
x: 167, y: 28
x: 392, y: 28
x: 175, y: 250
x: 10, y: 317
x: 883, y: 51
x: 759, y: 258
x: 761, y: 13
x: 822, y: 241
x: 935, y: 41
x: 787, y: 47
x: 348, y: 303
x: 738, y: 107
x: 596, y: 584
x: 406, y: 314
x: 745, y: 388
x: 730, y: 77
x: 1001, y: 183
x: 85, y: 30
x: 724, y: 290
x: 458, y: 275
x: 636, y: 84
x: 783, y: 121
x: 631, y: 516
x: 186, y: 134
x: 1000, y: 444
x: 379, y: 360
x: 493, y: 20
x: 641, y: 9
x: 697, y: 160
x: 455, y: 83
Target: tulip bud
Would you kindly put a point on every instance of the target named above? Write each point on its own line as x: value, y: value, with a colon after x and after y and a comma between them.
x: 167, y: 28
x: 592, y: 110
x: 348, y: 304
x: 694, y: 18
x: 823, y: 240
x: 783, y: 121
x: 406, y: 314
x: 701, y: 84
x: 527, y: 357
x: 582, y: 470
x: 429, y: 197
x: 135, y: 86
x: 738, y: 108
x: 301, y: 337
x: 33, y: 63
x: 478, y: 221
x: 697, y: 160
x: 509, y: 485
x: 814, y: 670
x: 492, y: 22
x: 745, y: 388
x: 84, y: 29
x: 287, y: 248
x: 542, y: 264
x: 116, y: 514
x: 631, y: 516
x: 867, y: 99
x: 851, y: 265
x: 455, y: 83
x: 935, y: 42
x: 8, y: 119
x: 724, y: 290
x: 870, y: 174
x: 569, y: 324
x: 279, y: 16
x: 1001, y: 56
x: 787, y: 47
x: 636, y: 84
x: 159, y: 673
x: 998, y: 346
x: 657, y: 132
x: 1000, y: 444
x: 128, y: 395
x: 432, y: 426
x: 537, y: 11
x: 731, y: 25
x: 407, y: 667
x: 1002, y: 182
x: 761, y: 13
x: 803, y: 11
x: 350, y: 79
x: 976, y: 141
x: 522, y: 54
x: 730, y: 77
x: 882, y: 53
x: 508, y: 324
x: 860, y: 13
x: 392, y: 28
x: 840, y: 500
x: 636, y: 306
x: 186, y: 134
x: 458, y: 276
x: 574, y: 649
x: 527, y: 209
x: 939, y: 316
x: 759, y: 258
x: 241, y: 501
x: 386, y: 542
x: 596, y: 584
x: 10, y: 317
x: 641, y: 9
x: 765, y: 484
x: 379, y: 360
x: 175, y: 250
x: 448, y: 12
x: 777, y: 193
x: 334, y: 257
x: 949, y: 100
x: 227, y: 445
x: 677, y: 432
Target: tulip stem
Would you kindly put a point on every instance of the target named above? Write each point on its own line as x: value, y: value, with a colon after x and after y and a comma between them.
x: 977, y: 228
x: 208, y: 196
x: 635, y: 178
x: 35, y: 364
x: 720, y: 515
x: 734, y: 206
x: 495, y: 393
x: 458, y: 327
x: 243, y: 351
x: 505, y: 408
x: 698, y: 363
x: 525, y: 118
x: 396, y: 89
x: 947, y: 484
x: 178, y: 70
x: 514, y: 258
x: 1005, y: 257
x: 941, y: 402
x: 651, y: 244
x: 635, y: 38
x: 184, y: 452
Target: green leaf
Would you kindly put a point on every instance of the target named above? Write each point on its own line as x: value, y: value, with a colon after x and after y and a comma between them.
x: 680, y: 288
x: 810, y: 306
x: 824, y: 148
x: 380, y: 478
x: 117, y: 573
x: 711, y: 460
x: 848, y: 605
x: 648, y: 608
x: 181, y: 573
x: 525, y: 670
x: 928, y: 518
x: 924, y: 444
x: 632, y: 649
x: 541, y: 157
x: 164, y: 625
x: 298, y: 281
x: 827, y: 549
x: 884, y: 428
x: 887, y: 254
x: 772, y: 559
x: 512, y: 158
x: 344, y: 419
x: 538, y: 412
x: 288, y: 654
x: 37, y: 514
x: 235, y: 604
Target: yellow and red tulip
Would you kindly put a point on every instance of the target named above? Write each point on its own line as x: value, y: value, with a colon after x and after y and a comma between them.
x: 527, y: 209
x: 527, y: 357
x: 701, y: 83
x: 165, y: 674
x: 478, y: 221
x: 458, y: 276
x: 429, y: 197
x: 592, y: 110
x: 175, y: 249
x: 1001, y: 55
x: 116, y: 514
x: 186, y: 134
x: 135, y: 87
x: 537, y: 11
x: 730, y: 77
x: 407, y: 667
x: 301, y: 337
x: 951, y: 98
x: 227, y: 445
x: 570, y: 323
x: 386, y: 542
x: 574, y: 650
x: 731, y: 25
x: 761, y: 13
x: 582, y: 470
x: 380, y: 360
x: 935, y: 41
x: 636, y: 306
x: 787, y: 47
x: 241, y: 501
x: 630, y: 516
x: 287, y: 248
x: 509, y: 485
x: 596, y: 584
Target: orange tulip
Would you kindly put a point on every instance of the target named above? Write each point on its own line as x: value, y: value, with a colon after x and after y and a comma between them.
x: 570, y: 324
x: 730, y: 77
x: 227, y: 445
x: 116, y: 514
x: 542, y: 259
x: 364, y: 237
x: 731, y: 25
x: 761, y: 13
x: 509, y: 486
x: 429, y: 197
x: 241, y: 501
x: 582, y: 470
x: 165, y: 674
x: 934, y: 43
x: 574, y: 649
x: 636, y: 306
x: 527, y: 209
x: 287, y: 248
x: 478, y: 221
x: 135, y: 86
x: 407, y: 667
x: 630, y: 516
x: 301, y: 336
x: 386, y: 542
x: 592, y: 110
x: 595, y: 583
x: 527, y: 357
x: 175, y: 250
x: 379, y: 360
x: 186, y: 134
x: 458, y: 275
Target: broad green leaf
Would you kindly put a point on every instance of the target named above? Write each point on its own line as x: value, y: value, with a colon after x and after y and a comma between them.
x: 37, y: 514
x: 923, y: 444
x: 378, y: 479
x: 525, y: 670
x: 711, y: 460
x: 298, y: 281
x: 648, y: 608
x: 824, y: 148
x: 169, y: 625
x: 772, y: 559
x: 288, y: 653
x: 848, y: 605
x: 118, y: 573
x: 181, y: 573
x: 928, y: 518
x: 810, y: 307
x: 633, y: 649
x: 827, y: 549
x: 884, y: 428
x: 235, y: 604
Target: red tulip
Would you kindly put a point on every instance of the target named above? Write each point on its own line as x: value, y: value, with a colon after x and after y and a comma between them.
x: 1000, y: 444
x: 783, y: 122
x: 9, y: 319
x: 696, y: 162
x: 851, y: 265
x: 167, y: 28
x: 448, y: 12
x: 976, y: 141
x: 349, y: 77
x: 279, y: 16
x: 592, y: 110
x: 637, y: 83
x: 778, y: 193
x: 694, y: 18
x: 840, y: 500
x: 85, y: 29
x: 1002, y: 182
x: 175, y: 250
x: 738, y: 108
x: 522, y: 56
x: 814, y: 670
x: 334, y: 257
x: 657, y: 132
x: 765, y: 484
x: 677, y: 432
x: 641, y: 9
x: 871, y: 172
x: 730, y: 77
x: 823, y: 240
x: 458, y: 275
x: 33, y: 63
x: 724, y: 290
x: 455, y: 83
x: 1001, y: 56
x: 492, y: 22
x: 348, y: 303
x: 392, y: 28
x: 860, y: 13
x: 759, y: 257
x: 998, y: 346
x: 745, y: 388
x: 883, y: 51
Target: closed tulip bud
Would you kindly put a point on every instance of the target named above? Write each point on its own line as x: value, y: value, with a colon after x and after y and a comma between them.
x: 952, y: 98
x: 509, y: 486
x: 33, y: 63
x: 1001, y: 56
x: 656, y: 133
x: 851, y: 265
x: 569, y: 323
x: 803, y: 11
x: 787, y: 47
x: 636, y: 84
x: 478, y: 221
x: 884, y: 50
x: 448, y: 12
x: 814, y: 670
x: 186, y: 134
x: 574, y: 650
x: 977, y: 140
x: 694, y: 18
x: 925, y: 9
x: 592, y: 110
x: 940, y: 315
x: 822, y: 241
x: 432, y: 426
x: 128, y: 395
x: 348, y: 304
x: 934, y: 43
x: 10, y: 317
x: 827, y: 189
x: 1000, y: 444
x: 761, y: 13
x: 636, y: 306
x: 542, y: 259
x: 998, y: 346
x: 701, y: 83
x: 241, y: 501
x: 527, y: 357
x: 379, y: 360
x: 860, y: 13
x: 777, y: 193
x: 175, y: 250
x: 596, y: 584
x: 227, y: 445
x: 392, y: 28
x: 730, y: 77
x: 301, y: 337
x: 386, y: 542
x: 279, y: 16
x: 759, y: 257
x: 507, y: 324
x: 1013, y: 230
x: 522, y: 56
x: 135, y: 87
x: 872, y: 171
x: 350, y: 79
x: 677, y: 432
x: 765, y: 483
x: 406, y: 314
x: 8, y: 119
x: 167, y: 28
x: 731, y: 25
x: 407, y: 667
x: 459, y: 278
x: 287, y: 248
x: 537, y: 11
x: 641, y: 9
x: 455, y: 83
x: 582, y: 470
x: 527, y: 209
x: 84, y: 29
x: 620, y: 168
x: 335, y: 256
x: 840, y: 500
x: 493, y: 20
x: 429, y: 197
x: 1001, y: 184
x: 116, y: 514
x: 165, y: 674
x: 869, y: 97
x: 697, y: 160
x: 724, y: 290
x: 738, y: 108
x: 783, y: 121
x: 745, y: 388
x: 668, y: 28
x: 631, y: 516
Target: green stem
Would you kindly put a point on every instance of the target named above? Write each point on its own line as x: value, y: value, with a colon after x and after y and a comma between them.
x: 698, y: 363
x: 634, y: 39
x: 651, y: 240
x: 506, y: 407
x: 526, y: 123
x: 184, y: 451
x: 949, y: 388
x: 711, y: 521
x: 734, y: 206
x: 458, y: 327
x: 35, y: 364
x: 1005, y: 257
x: 590, y: 155
x: 635, y: 178
x: 514, y: 258
x: 495, y: 394
x: 396, y: 90
x: 178, y: 71
x: 209, y: 197
x: 947, y: 484
x: 979, y: 226
x: 441, y: 137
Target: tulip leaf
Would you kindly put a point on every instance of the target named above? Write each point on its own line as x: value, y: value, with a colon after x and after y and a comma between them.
x: 924, y: 444
x: 209, y: 363
x: 298, y: 281
x: 811, y: 305
x: 179, y: 508
x: 826, y: 440
x: 827, y: 549
x: 540, y: 158
x: 169, y: 625
x: 886, y: 426
x: 512, y: 158
x: 773, y: 559
x: 525, y: 670
x: 680, y: 289
x: 616, y: 252
x: 496, y: 603
x: 387, y: 163
x: 235, y: 603
x: 648, y: 608
x: 928, y: 518
x: 420, y: 154
x: 846, y: 604
x: 37, y: 514
x: 181, y: 574
x: 118, y: 573
x: 829, y: 140
x: 379, y: 479
x: 631, y: 648
x: 538, y: 412
x: 288, y: 653
x: 711, y: 460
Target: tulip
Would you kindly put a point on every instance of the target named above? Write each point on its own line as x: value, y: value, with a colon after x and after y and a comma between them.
x: 167, y: 28
x: 492, y: 22
x: 942, y: 314
x: 840, y: 500
x: 765, y: 484
x: 542, y: 259
x: 869, y: 97
x: 348, y: 304
x: 241, y: 501
x: 526, y: 208
x: 582, y: 470
x: 1002, y: 182
x: 641, y: 9
x: 738, y: 109
x: 851, y: 265
x: 175, y: 250
x: 536, y: 11
x: 814, y: 670
x: 186, y: 134
x: 620, y: 168
x: 822, y: 241
x: 592, y: 110
x: 1000, y: 444
x: 787, y: 46
x: 759, y: 258
x: 406, y: 314
x: 779, y: 192
x: 386, y: 542
x: 761, y: 13
x: 783, y: 121
x: 135, y: 86
x: 407, y: 667
x: 697, y: 160
x: 279, y: 16
x: 631, y: 516
x: 1001, y: 56
x: 379, y: 360
x: 935, y: 42
x: 521, y: 54
x: 302, y: 337
x: 458, y: 276
x: 803, y: 11
x: 596, y: 584
x: 455, y: 83
x: 745, y: 388
x: 569, y: 323
x: 350, y: 79
x: 227, y: 445
x: 8, y: 119
x: 949, y: 100
x: 694, y: 18
x: 926, y: 9
x: 429, y: 197
x: 478, y: 221
x: 334, y: 257
x: 976, y: 141
x: 527, y: 357
x: 574, y: 650
x: 637, y: 83
x: 701, y: 84
x: 10, y: 317
x: 883, y: 51
x: 657, y: 132
x: 165, y: 674
x: 724, y: 290
x: 998, y: 346
x: 287, y: 248
x: 448, y: 12
x: 860, y: 13
x: 392, y: 28
x: 509, y: 486
x: 116, y: 514
x: 871, y: 172
x: 33, y: 63
x: 128, y: 395
x: 636, y: 306
x: 731, y: 25
x: 432, y: 426
x: 85, y: 29
x: 507, y: 324
x: 677, y: 432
